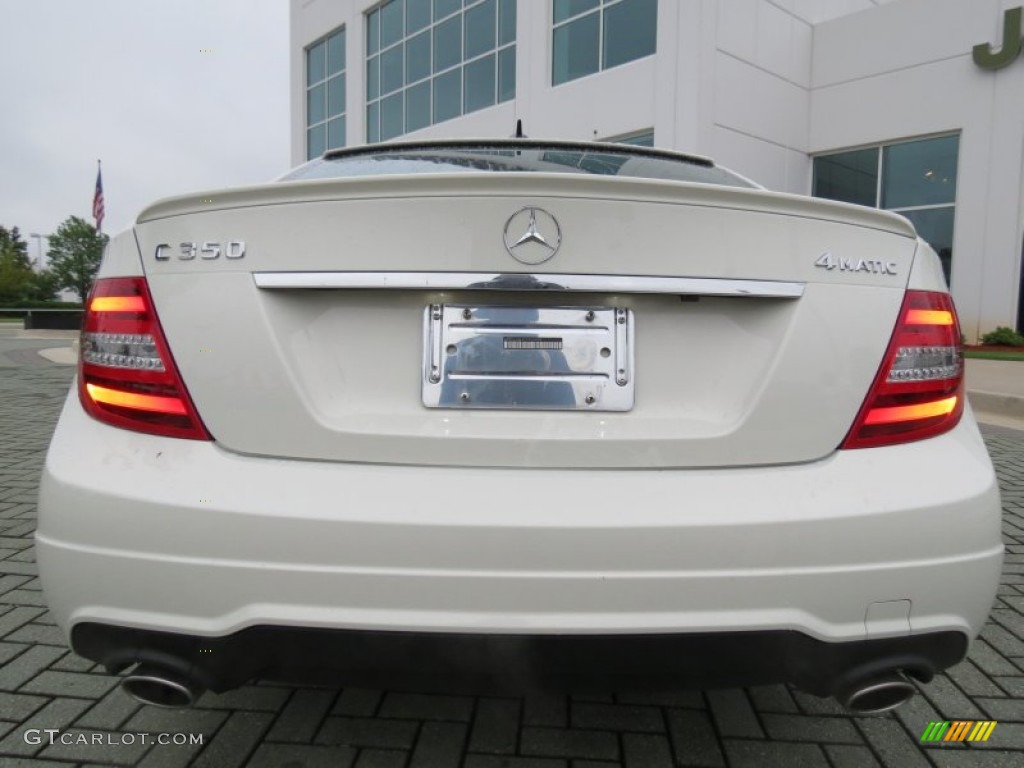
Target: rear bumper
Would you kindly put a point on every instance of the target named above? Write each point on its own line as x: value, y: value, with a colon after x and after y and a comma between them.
x: 173, y: 536
x: 516, y: 664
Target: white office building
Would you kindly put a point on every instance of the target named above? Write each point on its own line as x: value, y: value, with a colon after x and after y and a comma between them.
x: 911, y: 105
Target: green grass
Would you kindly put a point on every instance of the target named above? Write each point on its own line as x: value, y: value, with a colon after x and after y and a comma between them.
x: 993, y: 355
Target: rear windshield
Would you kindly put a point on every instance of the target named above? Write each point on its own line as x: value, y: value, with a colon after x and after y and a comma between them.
x: 603, y: 160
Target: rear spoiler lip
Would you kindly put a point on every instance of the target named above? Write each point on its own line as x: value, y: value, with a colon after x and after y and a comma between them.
x: 535, y: 186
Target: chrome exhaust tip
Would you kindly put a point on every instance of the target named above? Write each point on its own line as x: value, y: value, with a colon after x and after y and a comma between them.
x: 160, y: 688
x: 876, y: 695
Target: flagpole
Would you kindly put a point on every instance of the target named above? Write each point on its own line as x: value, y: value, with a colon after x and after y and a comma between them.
x: 97, y: 199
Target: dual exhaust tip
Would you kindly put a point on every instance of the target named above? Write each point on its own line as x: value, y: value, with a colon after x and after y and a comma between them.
x: 875, y: 695
x: 161, y: 687
x: 166, y: 688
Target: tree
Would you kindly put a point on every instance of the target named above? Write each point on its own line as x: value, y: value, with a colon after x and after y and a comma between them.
x: 74, y: 255
x: 15, y: 268
x: 42, y: 286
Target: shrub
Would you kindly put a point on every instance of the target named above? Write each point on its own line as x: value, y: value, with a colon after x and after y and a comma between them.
x: 1003, y: 337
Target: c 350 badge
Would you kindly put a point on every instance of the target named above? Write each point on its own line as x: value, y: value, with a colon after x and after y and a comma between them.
x: 233, y: 249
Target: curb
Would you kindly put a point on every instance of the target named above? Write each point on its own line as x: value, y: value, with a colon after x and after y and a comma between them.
x: 997, y: 403
x: 46, y: 333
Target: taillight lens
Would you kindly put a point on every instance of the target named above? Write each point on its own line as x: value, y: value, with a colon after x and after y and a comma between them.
x: 126, y: 375
x: 919, y: 389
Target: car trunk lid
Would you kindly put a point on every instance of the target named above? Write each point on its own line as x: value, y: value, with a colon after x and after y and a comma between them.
x: 755, y: 321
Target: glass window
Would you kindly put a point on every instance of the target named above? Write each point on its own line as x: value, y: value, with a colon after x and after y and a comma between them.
x: 448, y: 43
x: 336, y: 133
x: 645, y: 139
x: 479, y: 84
x: 392, y: 22
x: 918, y: 180
x: 507, y: 22
x: 936, y: 226
x: 335, y: 54
x: 373, y: 33
x: 517, y: 156
x: 591, y: 35
x: 597, y: 163
x: 848, y: 176
x: 444, y: 8
x: 603, y: 164
x: 391, y: 66
x: 373, y: 78
x: 417, y: 58
x: 316, y: 62
x: 577, y: 51
x: 417, y: 107
x: 325, y: 94
x: 373, y: 122
x: 630, y: 31
x: 481, y: 28
x: 443, y: 57
x: 447, y: 96
x: 506, y: 74
x: 417, y: 15
x: 920, y: 173
x: 316, y: 109
x: 316, y: 140
x: 392, y: 120
x: 566, y: 8
x: 336, y: 96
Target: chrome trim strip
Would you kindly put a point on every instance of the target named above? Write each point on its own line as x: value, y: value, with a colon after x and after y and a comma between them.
x: 492, y: 281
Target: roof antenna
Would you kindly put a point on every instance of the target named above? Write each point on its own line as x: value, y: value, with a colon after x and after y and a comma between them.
x: 519, y: 130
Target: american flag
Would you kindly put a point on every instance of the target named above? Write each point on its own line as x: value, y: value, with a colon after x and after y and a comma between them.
x: 97, y: 201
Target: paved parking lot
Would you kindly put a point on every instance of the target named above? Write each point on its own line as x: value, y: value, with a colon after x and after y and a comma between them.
x: 43, y: 686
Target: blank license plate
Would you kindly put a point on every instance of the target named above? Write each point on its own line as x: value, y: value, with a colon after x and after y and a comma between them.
x: 532, y: 358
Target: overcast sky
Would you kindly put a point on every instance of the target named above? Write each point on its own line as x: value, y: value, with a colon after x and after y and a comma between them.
x: 125, y: 81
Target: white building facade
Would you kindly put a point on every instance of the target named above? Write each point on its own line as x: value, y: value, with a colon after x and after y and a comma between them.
x: 915, y: 106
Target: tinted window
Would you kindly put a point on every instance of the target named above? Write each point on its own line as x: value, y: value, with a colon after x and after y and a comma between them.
x: 479, y: 87
x: 591, y: 35
x: 936, y: 226
x: 481, y: 28
x: 630, y: 31
x: 521, y: 157
x: 417, y: 106
x: 920, y: 172
x: 915, y: 178
x: 444, y: 57
x: 316, y: 61
x: 576, y: 51
x: 645, y: 139
x: 325, y: 94
x: 848, y: 176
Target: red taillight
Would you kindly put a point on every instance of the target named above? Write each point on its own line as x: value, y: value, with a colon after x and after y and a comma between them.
x: 919, y: 389
x: 126, y: 375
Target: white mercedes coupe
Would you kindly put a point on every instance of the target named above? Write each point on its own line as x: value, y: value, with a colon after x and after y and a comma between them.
x: 519, y: 415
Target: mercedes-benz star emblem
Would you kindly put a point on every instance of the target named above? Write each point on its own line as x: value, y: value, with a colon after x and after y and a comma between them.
x: 540, y: 236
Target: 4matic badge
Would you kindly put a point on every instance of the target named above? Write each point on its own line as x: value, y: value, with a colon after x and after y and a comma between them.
x: 874, y: 266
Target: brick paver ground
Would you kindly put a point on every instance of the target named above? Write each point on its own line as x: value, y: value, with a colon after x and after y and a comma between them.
x: 43, y: 685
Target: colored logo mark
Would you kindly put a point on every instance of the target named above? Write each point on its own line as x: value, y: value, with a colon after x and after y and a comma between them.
x: 959, y: 730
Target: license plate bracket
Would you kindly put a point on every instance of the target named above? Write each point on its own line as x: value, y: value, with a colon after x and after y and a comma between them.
x: 528, y: 358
